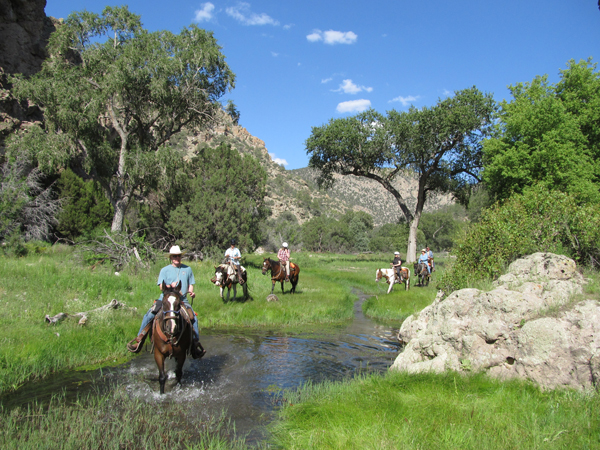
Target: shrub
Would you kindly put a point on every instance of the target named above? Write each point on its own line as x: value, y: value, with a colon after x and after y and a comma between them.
x: 536, y: 221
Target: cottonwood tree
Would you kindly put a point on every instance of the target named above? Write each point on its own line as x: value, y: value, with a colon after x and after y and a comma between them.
x: 440, y: 145
x: 118, y: 93
x: 548, y: 135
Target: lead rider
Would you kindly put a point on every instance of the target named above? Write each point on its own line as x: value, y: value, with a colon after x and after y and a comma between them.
x: 172, y: 275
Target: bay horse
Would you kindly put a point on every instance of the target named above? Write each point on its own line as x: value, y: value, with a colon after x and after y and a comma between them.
x: 391, y: 277
x: 171, y: 333
x: 225, y: 277
x: 422, y: 273
x: 278, y: 274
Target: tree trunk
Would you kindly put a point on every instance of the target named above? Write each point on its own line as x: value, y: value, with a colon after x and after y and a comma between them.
x: 411, y: 250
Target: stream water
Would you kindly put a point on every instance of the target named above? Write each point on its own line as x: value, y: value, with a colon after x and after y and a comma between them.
x: 240, y: 372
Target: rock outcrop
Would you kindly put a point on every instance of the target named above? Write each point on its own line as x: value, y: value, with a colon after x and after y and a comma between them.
x: 527, y: 327
x: 24, y: 33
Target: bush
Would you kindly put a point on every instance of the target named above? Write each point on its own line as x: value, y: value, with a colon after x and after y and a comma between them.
x: 537, y: 221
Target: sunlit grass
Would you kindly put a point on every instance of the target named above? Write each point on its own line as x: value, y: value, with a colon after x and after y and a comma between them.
x: 429, y: 411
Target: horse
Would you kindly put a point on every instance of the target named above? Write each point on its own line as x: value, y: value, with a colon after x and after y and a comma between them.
x: 225, y: 277
x: 278, y: 274
x: 391, y: 278
x: 171, y: 333
x: 422, y: 273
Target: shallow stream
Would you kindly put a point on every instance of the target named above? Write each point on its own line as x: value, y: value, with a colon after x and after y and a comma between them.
x: 241, y: 372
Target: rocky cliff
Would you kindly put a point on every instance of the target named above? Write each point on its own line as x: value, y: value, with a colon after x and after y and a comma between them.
x: 24, y: 33
x: 527, y: 327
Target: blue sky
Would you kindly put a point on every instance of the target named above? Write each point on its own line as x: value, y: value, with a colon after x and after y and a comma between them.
x: 301, y: 63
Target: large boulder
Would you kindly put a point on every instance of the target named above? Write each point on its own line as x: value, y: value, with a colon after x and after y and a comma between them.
x: 526, y: 327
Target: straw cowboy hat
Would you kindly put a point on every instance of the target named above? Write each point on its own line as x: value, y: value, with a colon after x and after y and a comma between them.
x: 175, y: 250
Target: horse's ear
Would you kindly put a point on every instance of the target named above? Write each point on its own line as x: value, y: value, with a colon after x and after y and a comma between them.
x: 179, y: 286
x: 163, y: 286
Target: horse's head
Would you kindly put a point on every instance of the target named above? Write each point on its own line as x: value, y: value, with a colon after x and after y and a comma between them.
x: 220, y: 276
x: 266, y: 265
x: 378, y: 275
x: 172, y: 300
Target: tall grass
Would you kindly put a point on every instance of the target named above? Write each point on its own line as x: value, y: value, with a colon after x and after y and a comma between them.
x: 115, y: 421
x: 429, y: 411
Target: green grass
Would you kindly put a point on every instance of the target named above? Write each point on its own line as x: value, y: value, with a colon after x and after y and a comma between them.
x: 54, y: 281
x: 449, y: 411
x: 115, y: 421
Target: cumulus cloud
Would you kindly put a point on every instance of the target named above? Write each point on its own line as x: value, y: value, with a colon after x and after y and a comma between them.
x: 348, y: 87
x: 354, y: 106
x: 242, y: 14
x: 279, y: 161
x: 206, y: 13
x: 405, y: 100
x: 332, y: 37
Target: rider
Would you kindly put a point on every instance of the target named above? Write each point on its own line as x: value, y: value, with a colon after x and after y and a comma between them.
x: 172, y: 275
x: 284, y: 259
x: 424, y: 259
x: 397, y: 265
x: 233, y: 256
x: 430, y: 257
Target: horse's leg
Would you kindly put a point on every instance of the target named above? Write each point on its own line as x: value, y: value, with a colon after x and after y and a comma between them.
x: 180, y: 361
x: 391, y: 285
x: 282, y: 290
x: 221, y: 292
x: 234, y: 291
x: 294, y: 283
x: 160, y: 362
x: 272, y: 286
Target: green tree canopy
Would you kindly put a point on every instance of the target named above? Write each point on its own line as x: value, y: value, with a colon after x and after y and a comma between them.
x: 548, y: 134
x: 439, y: 145
x: 116, y: 93
x: 224, y: 200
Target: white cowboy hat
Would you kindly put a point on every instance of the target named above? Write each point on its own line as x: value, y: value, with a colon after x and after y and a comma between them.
x: 284, y: 245
x: 423, y: 250
x: 396, y: 253
x: 175, y: 250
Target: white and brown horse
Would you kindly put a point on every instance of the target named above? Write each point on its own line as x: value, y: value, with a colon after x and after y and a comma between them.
x: 225, y: 277
x: 391, y: 277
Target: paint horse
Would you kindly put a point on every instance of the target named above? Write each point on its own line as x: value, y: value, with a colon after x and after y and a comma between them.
x: 225, y: 277
x: 392, y: 278
x: 171, y: 333
x: 278, y: 274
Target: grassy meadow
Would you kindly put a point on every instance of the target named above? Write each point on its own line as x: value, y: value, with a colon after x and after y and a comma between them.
x: 56, y: 281
x: 428, y: 411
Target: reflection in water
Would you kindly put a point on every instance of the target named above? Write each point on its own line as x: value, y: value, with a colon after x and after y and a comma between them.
x: 240, y: 371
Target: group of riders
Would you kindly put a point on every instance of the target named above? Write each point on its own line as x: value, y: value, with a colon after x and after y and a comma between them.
x: 176, y: 273
x: 425, y: 258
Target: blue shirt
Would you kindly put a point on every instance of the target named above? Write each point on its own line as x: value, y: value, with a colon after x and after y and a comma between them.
x: 233, y: 253
x: 423, y: 258
x: 170, y: 274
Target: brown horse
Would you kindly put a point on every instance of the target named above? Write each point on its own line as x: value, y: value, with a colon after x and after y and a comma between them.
x: 226, y: 278
x: 422, y: 273
x: 171, y: 333
x: 278, y: 273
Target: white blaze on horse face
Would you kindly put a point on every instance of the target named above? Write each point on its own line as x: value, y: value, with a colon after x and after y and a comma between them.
x: 171, y: 301
x: 219, y: 277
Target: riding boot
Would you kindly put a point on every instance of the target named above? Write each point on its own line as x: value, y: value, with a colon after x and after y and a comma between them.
x: 197, y: 351
x: 135, y: 346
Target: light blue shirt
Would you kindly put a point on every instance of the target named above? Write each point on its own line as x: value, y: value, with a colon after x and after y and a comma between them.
x: 235, y: 253
x: 170, y: 274
x: 423, y: 258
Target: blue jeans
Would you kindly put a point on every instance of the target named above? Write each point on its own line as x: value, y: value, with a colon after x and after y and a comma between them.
x: 149, y: 316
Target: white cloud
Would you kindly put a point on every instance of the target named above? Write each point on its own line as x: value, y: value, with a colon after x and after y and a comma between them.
x: 288, y: 26
x: 315, y: 36
x: 275, y: 55
x: 279, y: 161
x: 206, y: 13
x: 332, y: 37
x: 242, y: 14
x: 447, y: 93
x: 405, y: 100
x: 354, y: 106
x: 326, y: 80
x: 348, y: 87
